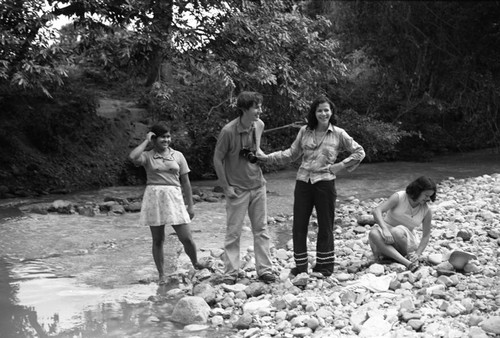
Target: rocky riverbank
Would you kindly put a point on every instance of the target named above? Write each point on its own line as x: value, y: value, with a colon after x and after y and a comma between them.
x: 360, y: 299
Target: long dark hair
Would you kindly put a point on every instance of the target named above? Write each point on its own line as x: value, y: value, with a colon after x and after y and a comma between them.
x: 415, y: 188
x: 312, y: 121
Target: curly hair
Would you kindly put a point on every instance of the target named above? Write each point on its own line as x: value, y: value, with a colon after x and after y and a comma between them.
x: 312, y: 121
x: 415, y: 188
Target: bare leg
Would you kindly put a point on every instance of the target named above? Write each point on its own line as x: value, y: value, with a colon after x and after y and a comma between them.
x: 400, y: 241
x: 184, y: 234
x: 158, y: 233
x: 379, y: 246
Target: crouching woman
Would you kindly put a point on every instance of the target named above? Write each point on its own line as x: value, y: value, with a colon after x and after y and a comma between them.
x: 397, y: 218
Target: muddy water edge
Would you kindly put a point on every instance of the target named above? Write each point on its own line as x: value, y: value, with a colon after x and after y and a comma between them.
x: 77, y: 276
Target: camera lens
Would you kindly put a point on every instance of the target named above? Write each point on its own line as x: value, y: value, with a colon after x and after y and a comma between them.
x: 252, y: 158
x: 248, y: 155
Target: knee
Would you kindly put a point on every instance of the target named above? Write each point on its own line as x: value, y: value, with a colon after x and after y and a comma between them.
x: 398, y: 234
x: 325, y: 229
x: 299, y: 228
x: 233, y: 231
x: 259, y: 229
x: 374, y: 235
x: 186, y: 240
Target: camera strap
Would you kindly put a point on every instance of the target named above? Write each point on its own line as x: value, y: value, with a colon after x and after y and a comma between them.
x: 251, y: 137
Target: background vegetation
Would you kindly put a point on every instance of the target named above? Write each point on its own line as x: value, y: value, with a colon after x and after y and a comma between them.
x: 412, y: 79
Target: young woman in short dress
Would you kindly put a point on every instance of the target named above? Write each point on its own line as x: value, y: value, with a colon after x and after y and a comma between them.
x: 167, y: 198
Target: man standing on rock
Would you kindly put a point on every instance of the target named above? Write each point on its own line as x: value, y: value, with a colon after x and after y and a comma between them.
x: 244, y: 187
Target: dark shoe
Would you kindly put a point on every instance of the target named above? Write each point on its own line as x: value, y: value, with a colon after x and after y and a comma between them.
x: 268, y: 277
x: 228, y: 279
x: 296, y: 271
x: 413, y: 266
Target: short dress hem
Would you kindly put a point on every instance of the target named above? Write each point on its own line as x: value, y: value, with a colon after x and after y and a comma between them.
x: 411, y: 239
x: 163, y: 205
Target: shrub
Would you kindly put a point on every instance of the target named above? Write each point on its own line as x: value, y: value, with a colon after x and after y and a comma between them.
x: 378, y: 138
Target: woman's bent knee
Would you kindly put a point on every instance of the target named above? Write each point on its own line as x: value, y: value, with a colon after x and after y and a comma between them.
x: 399, y: 234
x: 374, y: 235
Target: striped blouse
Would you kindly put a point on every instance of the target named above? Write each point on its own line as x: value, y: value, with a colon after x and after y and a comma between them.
x: 318, y: 155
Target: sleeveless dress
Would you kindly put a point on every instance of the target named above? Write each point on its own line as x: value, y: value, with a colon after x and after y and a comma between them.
x: 407, y: 218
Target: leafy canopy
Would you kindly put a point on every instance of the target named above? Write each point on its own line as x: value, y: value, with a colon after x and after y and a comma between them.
x: 27, y: 59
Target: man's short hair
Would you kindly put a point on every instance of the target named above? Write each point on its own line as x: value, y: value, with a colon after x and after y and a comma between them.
x: 247, y: 100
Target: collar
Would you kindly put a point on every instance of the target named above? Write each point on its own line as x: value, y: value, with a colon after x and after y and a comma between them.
x: 240, y: 129
x: 330, y: 128
x: 166, y: 156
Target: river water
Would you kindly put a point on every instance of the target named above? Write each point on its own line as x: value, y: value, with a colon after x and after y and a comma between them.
x: 76, y: 276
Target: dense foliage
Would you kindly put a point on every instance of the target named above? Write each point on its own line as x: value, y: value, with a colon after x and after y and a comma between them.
x: 411, y: 79
x: 436, y: 68
x: 27, y: 60
x: 58, y: 144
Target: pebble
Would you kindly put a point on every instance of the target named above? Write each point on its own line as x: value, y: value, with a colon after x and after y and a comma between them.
x: 435, y: 258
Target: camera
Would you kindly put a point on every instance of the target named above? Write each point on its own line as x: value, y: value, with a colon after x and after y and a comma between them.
x: 249, y: 155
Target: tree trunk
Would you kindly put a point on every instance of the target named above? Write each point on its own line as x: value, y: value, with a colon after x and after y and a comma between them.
x: 154, y: 66
x: 162, y: 23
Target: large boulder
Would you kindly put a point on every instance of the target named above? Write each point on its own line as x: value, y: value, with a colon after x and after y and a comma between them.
x: 191, y: 310
x: 491, y: 325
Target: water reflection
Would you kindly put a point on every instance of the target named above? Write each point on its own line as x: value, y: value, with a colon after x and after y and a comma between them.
x: 36, y: 304
x: 15, y: 320
x: 39, y: 297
